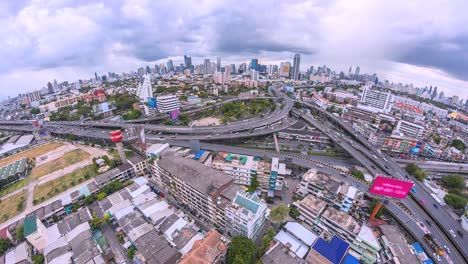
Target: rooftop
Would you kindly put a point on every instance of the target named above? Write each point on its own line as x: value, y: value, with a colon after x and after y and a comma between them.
x: 280, y: 254
x: 342, y: 219
x: 312, y: 203
x: 207, y: 250
x: 398, y: 243
x: 197, y: 175
x: 30, y: 225
x: 333, y: 250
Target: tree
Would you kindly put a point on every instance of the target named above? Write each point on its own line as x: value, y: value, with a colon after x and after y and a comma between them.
x: 20, y: 232
x: 241, y: 250
x: 35, y: 111
x: 89, y: 200
x: 183, y: 98
x: 265, y: 244
x: 279, y: 213
x: 293, y: 212
x: 454, y: 181
x: 420, y: 175
x: 411, y: 168
x: 107, y: 218
x: 100, y: 196
x: 95, y: 222
x: 168, y: 123
x: 456, y: 201
x: 184, y: 118
x: 5, y: 244
x: 458, y: 144
x: 133, y: 114
x: 358, y: 174
x: 38, y: 259
x: 253, y: 184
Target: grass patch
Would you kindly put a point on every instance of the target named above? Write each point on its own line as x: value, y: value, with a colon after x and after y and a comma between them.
x: 66, y: 160
x: 15, y: 186
x: 32, y: 153
x: 12, y: 206
x: 67, y: 181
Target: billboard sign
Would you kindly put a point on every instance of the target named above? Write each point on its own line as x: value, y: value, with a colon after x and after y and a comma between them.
x: 389, y: 187
x: 152, y: 102
x: 175, y: 114
x: 386, y: 126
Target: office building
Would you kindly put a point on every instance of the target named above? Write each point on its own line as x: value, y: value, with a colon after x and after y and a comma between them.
x: 167, y: 103
x: 243, y: 168
x: 206, y: 192
x: 141, y: 71
x: 144, y: 89
x: 254, y: 75
x: 187, y: 62
x: 376, y: 100
x: 254, y: 65
x: 285, y: 68
x: 296, y: 67
x: 233, y: 69
x: 218, y: 64
x: 246, y: 215
x: 170, y: 66
x: 207, y: 66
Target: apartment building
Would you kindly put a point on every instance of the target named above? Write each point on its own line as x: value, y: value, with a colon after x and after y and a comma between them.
x: 246, y: 215
x: 375, y: 100
x: 310, y: 208
x: 243, y: 168
x: 410, y: 129
x: 319, y: 184
x: 205, y: 191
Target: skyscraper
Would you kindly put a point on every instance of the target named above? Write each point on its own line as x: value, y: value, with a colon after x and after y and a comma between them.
x: 254, y: 64
x: 296, y: 65
x: 170, y: 66
x: 285, y: 68
x: 434, y: 93
x: 144, y: 89
x: 50, y: 88
x: 218, y: 64
x: 207, y: 66
x: 95, y: 77
x: 148, y: 70
x: 187, y: 62
x: 350, y: 70
x: 356, y: 73
x: 233, y: 68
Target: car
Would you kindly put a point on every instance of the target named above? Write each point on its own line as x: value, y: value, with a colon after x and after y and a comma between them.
x: 320, y: 165
x: 208, y: 136
x: 427, y: 222
x: 422, y: 202
x: 453, y: 233
x: 435, y: 205
x: 123, y: 262
x: 460, y: 233
x: 436, y: 256
x: 342, y: 174
x: 173, y: 136
x: 447, y: 249
x: 161, y: 194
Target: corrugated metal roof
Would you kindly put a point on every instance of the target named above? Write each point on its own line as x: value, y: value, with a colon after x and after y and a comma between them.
x: 30, y: 225
x: 334, y: 250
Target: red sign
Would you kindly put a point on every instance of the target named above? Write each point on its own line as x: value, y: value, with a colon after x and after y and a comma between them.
x: 390, y: 187
x: 116, y: 136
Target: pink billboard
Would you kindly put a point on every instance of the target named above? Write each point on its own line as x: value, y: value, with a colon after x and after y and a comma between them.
x: 390, y: 187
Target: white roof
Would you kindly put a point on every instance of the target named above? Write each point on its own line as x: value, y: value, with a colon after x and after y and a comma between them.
x: 52, y: 233
x: 140, y: 181
x: 155, y: 208
x: 65, y: 258
x: 178, y: 225
x: 351, y: 192
x: 367, y: 236
x: 157, y: 148
x: 296, y: 246
x: 139, y: 191
x: 301, y: 232
x: 61, y: 242
x: 155, y: 217
x: 84, y: 227
x: 119, y: 206
x: 123, y: 212
x: 144, y: 198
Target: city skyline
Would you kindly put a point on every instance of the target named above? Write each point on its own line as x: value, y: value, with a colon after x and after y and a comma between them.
x: 400, y: 43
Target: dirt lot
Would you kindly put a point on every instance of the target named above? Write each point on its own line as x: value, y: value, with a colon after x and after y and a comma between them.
x: 12, y: 206
x: 32, y: 153
x: 64, y: 161
x: 207, y: 121
x: 54, y: 187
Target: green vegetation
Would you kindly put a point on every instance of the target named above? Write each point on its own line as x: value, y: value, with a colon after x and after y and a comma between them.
x: 66, y: 160
x: 453, y: 181
x: 458, y: 144
x: 265, y: 244
x: 184, y: 118
x: 124, y: 102
x: 100, y: 196
x: 5, y: 244
x: 455, y: 200
x: 293, y: 212
x: 183, y: 98
x: 38, y: 259
x: 133, y: 114
x: 358, y: 174
x: 415, y: 171
x: 241, y: 250
x: 73, y: 113
x: 35, y: 111
x: 238, y: 110
x: 253, y: 184
x: 164, y: 89
x: 95, y: 222
x: 131, y: 252
x: 279, y: 213
x: 88, y: 200
x: 168, y: 123
x: 19, y: 232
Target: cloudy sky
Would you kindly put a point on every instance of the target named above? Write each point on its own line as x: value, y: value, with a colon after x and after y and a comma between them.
x: 423, y: 42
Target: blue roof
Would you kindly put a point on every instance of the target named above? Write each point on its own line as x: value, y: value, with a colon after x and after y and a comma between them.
x: 428, y: 261
x: 199, y: 154
x: 350, y: 259
x: 418, y: 247
x: 334, y: 250
x: 247, y: 203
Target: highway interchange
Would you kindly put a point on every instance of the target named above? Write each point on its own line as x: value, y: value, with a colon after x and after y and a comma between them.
x: 342, y: 135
